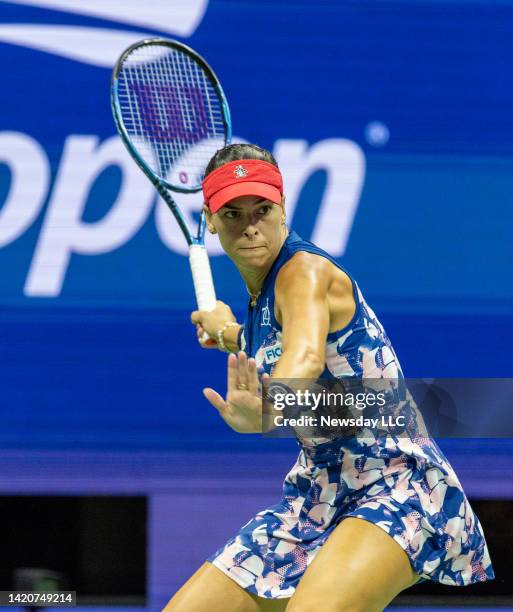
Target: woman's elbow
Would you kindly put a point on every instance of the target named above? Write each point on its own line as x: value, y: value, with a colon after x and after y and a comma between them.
x: 311, y: 362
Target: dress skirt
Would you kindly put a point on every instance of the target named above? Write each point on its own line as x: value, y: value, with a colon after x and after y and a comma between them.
x: 405, y: 487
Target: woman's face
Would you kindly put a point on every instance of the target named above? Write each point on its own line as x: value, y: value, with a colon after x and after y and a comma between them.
x: 251, y: 230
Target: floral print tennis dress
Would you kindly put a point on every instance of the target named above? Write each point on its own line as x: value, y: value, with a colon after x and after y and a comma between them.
x: 404, y: 485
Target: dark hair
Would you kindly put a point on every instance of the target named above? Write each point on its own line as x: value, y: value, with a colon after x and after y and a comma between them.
x: 235, y: 152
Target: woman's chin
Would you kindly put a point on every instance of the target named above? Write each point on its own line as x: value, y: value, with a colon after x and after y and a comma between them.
x: 257, y: 256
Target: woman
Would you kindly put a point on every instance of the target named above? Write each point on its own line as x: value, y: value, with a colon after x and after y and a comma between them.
x: 358, y: 522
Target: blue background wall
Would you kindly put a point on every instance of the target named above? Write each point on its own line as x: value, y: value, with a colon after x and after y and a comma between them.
x: 107, y: 358
x: 391, y: 119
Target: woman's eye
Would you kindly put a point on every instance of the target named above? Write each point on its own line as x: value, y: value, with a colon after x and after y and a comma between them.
x: 264, y: 210
x: 231, y: 214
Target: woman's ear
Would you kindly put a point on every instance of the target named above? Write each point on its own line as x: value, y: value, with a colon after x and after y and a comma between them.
x: 283, y: 213
x: 208, y: 218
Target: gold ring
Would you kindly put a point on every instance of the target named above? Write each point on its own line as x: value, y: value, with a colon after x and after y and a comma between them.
x: 242, y: 387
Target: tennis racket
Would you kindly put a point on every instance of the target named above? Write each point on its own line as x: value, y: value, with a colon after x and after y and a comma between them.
x: 171, y: 112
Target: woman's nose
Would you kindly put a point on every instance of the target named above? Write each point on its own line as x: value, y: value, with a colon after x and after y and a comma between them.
x: 250, y: 231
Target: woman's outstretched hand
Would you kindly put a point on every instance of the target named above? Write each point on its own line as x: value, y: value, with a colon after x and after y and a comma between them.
x: 242, y: 408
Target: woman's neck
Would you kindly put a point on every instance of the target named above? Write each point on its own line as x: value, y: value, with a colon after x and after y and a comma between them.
x: 254, y: 279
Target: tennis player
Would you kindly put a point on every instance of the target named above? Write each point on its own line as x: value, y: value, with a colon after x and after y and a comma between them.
x: 358, y: 522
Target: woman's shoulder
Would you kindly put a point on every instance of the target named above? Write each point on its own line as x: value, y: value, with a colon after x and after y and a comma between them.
x: 314, y: 269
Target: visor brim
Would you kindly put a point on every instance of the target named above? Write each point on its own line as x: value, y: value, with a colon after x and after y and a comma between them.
x: 246, y: 188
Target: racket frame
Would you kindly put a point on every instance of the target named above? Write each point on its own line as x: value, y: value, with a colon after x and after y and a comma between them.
x: 162, y: 186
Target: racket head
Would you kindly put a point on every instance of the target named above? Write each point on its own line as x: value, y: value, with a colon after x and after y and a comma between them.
x: 170, y: 110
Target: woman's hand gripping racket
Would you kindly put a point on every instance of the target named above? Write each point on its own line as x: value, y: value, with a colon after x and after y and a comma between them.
x: 172, y: 115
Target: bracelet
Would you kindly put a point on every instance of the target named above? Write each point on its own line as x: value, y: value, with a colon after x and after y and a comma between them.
x: 239, y: 337
x: 220, y: 336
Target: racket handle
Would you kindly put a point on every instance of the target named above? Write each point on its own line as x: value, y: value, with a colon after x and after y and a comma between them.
x: 203, y: 282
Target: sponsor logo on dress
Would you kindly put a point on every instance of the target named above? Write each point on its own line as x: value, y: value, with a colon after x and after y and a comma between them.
x: 266, y: 315
x: 272, y: 353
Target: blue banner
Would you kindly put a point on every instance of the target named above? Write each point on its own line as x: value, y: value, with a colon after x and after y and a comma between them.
x: 391, y: 124
x: 389, y: 121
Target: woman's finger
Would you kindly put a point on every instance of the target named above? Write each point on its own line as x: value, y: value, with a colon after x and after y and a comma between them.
x: 242, y: 372
x: 232, y: 373
x: 195, y: 316
x: 216, y: 400
x: 253, y: 382
x: 265, y: 376
x: 209, y: 343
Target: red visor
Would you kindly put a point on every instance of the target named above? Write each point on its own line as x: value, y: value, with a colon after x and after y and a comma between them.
x: 246, y: 177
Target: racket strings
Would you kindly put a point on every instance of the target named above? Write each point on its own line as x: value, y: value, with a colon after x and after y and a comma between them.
x: 171, y: 111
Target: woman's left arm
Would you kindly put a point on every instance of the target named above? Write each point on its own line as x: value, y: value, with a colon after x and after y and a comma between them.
x: 302, y: 309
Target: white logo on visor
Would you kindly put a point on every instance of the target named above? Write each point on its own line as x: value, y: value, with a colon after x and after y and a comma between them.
x: 240, y: 171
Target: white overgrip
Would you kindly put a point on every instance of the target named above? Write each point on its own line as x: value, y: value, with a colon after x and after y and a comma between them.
x: 202, y: 278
